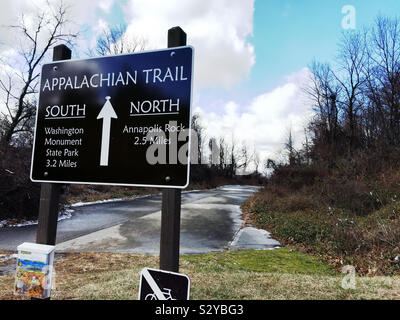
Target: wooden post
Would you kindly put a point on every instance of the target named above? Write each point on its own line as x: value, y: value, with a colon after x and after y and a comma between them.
x: 171, y: 198
x: 61, y: 52
x: 170, y: 229
x: 176, y: 37
x: 50, y: 192
x: 48, y: 213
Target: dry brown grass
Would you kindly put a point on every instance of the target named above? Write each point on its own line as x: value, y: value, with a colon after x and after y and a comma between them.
x: 116, y: 276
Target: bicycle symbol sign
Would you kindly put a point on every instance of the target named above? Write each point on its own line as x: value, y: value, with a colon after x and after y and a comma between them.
x: 163, y: 285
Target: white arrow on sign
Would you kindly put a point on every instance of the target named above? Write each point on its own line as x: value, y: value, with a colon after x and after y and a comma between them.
x: 106, y: 113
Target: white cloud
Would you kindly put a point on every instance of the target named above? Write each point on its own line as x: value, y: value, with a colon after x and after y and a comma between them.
x: 82, y: 13
x: 106, y: 5
x: 12, y: 42
x: 218, y: 30
x: 267, y: 119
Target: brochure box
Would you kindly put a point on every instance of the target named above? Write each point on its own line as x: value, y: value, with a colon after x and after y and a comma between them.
x: 34, y: 270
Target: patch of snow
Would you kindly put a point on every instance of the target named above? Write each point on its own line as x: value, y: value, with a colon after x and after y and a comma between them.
x: 66, y: 214
x: 237, y: 188
x: 253, y: 238
x: 23, y: 224
x: 4, y: 257
x: 81, y: 204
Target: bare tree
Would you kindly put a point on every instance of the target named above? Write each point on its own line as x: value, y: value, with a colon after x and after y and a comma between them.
x: 323, y: 92
x: 232, y: 163
x: 213, y: 158
x: 339, y: 96
x: 383, y: 79
x: 255, y: 157
x: 20, y: 85
x: 113, y: 41
x: 269, y: 166
x: 199, y: 131
x: 352, y: 60
x: 357, y: 101
x: 289, y: 147
x: 244, y: 157
x: 222, y: 153
x: 306, y: 148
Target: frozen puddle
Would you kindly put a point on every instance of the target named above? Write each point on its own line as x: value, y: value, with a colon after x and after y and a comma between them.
x: 253, y: 238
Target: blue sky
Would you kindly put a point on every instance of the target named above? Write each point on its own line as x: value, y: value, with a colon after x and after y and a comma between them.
x: 288, y: 34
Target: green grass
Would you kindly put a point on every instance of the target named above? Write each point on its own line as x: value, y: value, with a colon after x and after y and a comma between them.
x: 283, y: 260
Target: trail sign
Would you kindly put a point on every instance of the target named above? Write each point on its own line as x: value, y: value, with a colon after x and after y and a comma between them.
x: 119, y: 120
x: 163, y: 285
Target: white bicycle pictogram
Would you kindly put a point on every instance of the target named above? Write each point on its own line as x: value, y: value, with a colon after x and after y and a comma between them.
x: 166, y: 292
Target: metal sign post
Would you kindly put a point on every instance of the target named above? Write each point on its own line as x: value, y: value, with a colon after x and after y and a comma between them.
x: 171, y: 198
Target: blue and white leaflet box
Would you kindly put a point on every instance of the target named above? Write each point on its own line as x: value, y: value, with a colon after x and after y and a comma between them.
x: 33, y: 276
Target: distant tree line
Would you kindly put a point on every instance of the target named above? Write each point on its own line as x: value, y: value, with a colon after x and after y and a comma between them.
x: 357, y: 98
x: 216, y: 158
